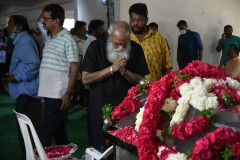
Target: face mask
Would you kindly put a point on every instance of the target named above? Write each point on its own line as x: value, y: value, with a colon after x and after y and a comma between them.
x: 183, y: 31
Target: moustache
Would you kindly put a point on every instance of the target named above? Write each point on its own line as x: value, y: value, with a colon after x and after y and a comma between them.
x: 137, y: 27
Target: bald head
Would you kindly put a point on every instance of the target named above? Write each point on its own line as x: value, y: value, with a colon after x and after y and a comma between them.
x: 118, y: 42
x: 119, y: 32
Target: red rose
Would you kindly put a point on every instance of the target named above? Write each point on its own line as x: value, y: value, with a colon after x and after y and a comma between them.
x: 178, y: 131
x: 202, y: 121
x: 207, y: 155
x: 201, y: 145
x: 194, y: 157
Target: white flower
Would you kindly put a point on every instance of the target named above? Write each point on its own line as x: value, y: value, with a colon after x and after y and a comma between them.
x: 179, y: 114
x: 233, y: 84
x: 208, y: 83
x: 177, y: 156
x: 195, y: 81
x: 185, y: 89
x: 184, y: 99
x: 238, y: 93
x: 198, y: 102
x: 139, y: 118
x: 211, y: 102
x: 170, y: 105
x: 200, y: 90
x: 222, y: 83
x: 160, y: 149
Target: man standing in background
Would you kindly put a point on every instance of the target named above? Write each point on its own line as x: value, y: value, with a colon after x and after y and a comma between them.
x: 80, y: 94
x: 190, y: 47
x: 153, y: 43
x: 23, y: 74
x: 224, y: 42
x: 95, y: 30
x: 58, y: 75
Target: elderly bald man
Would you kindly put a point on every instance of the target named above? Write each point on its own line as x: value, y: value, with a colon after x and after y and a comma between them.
x: 110, y: 67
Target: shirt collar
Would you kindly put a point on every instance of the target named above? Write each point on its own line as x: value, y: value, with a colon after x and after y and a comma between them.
x: 59, y: 34
x: 19, y: 35
x: 150, y: 33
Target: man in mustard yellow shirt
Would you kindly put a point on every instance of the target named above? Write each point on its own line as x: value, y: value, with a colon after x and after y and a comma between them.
x: 153, y: 43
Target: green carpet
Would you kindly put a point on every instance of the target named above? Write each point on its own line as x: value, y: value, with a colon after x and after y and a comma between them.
x: 76, y: 126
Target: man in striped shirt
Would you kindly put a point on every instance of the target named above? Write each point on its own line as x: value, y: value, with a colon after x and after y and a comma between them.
x: 58, y: 75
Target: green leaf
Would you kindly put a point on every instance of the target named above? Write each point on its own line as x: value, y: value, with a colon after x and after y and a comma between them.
x: 225, y: 153
x: 183, y: 75
x: 165, y: 114
x: 106, y: 111
x: 142, y: 88
x: 212, y: 117
x: 180, y: 75
x: 228, y: 101
x: 158, y: 139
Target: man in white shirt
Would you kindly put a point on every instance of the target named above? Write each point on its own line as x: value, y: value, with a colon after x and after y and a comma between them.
x: 58, y: 74
x: 95, y: 30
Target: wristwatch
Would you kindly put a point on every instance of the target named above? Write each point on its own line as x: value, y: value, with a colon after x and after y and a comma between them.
x: 69, y: 93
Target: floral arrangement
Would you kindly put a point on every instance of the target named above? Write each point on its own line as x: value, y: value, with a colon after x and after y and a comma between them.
x: 58, y: 151
x: 201, y: 86
x: 209, y: 146
x: 130, y: 102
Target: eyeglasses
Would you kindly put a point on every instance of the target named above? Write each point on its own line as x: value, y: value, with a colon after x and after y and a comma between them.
x: 44, y: 19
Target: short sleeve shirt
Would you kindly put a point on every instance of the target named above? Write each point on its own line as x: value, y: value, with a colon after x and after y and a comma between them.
x: 156, y: 53
x: 58, y: 52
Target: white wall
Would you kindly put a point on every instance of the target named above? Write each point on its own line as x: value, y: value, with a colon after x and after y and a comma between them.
x: 32, y: 13
x: 207, y: 17
x: 90, y: 9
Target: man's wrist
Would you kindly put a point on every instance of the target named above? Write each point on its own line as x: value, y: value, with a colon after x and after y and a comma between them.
x: 124, y: 73
x: 69, y: 93
x: 111, y: 70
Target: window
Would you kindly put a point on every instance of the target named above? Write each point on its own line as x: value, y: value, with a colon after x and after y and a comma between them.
x: 68, y: 24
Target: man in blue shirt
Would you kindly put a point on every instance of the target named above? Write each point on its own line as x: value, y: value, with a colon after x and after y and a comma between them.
x: 223, y: 44
x: 23, y: 73
x: 190, y: 47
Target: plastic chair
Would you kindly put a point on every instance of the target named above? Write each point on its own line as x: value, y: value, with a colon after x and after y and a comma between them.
x: 23, y: 121
x: 92, y: 153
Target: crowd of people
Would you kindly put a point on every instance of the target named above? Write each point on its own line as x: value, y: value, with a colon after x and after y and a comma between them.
x: 91, y: 66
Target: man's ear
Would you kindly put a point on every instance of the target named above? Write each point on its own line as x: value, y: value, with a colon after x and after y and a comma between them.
x: 58, y: 21
x: 18, y: 28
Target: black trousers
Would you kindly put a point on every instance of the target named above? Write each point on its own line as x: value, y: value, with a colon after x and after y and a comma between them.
x: 3, y: 71
x: 31, y: 107
x: 53, y: 123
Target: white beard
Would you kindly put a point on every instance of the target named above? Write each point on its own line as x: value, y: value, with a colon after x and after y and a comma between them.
x: 113, y: 53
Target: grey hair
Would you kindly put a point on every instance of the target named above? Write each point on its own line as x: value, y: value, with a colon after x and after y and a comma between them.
x: 118, y: 25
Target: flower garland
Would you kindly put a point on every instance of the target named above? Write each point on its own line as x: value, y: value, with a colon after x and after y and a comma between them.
x: 198, y: 94
x: 130, y: 103
x: 166, y: 153
x: 158, y: 92
x: 194, y: 127
x: 146, y: 142
x: 209, y: 146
